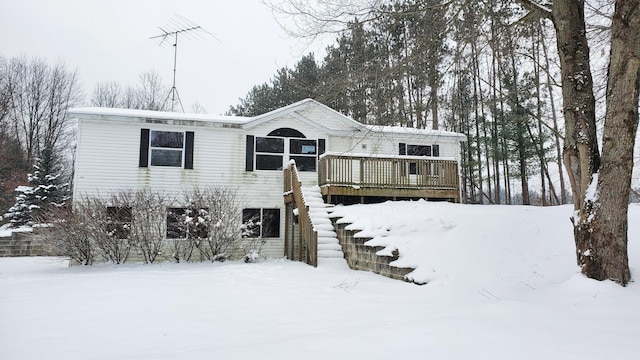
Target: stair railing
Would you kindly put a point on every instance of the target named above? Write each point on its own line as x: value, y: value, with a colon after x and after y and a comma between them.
x: 306, y: 229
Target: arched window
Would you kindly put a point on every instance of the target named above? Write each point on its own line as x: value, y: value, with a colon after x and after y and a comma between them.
x: 287, y: 132
x: 273, y: 151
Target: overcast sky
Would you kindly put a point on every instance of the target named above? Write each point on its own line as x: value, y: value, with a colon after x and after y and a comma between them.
x: 108, y: 40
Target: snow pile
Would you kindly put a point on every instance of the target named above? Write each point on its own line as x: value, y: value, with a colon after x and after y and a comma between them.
x: 503, y: 286
x: 472, y: 244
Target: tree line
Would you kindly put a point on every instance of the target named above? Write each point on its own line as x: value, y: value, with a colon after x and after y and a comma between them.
x: 474, y: 67
x: 505, y: 41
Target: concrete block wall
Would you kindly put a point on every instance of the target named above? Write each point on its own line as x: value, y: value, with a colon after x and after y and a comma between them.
x: 363, y: 257
x: 23, y: 244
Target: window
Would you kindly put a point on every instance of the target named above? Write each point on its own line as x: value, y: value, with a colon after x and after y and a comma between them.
x: 118, y: 223
x: 304, y: 153
x: 418, y: 150
x: 263, y: 223
x: 176, y: 227
x: 270, y: 153
x: 187, y: 223
x: 166, y: 148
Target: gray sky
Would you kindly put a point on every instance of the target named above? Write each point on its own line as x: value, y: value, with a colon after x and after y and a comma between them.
x: 108, y: 40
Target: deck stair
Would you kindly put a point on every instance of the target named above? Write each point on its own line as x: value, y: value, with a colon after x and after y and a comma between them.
x: 329, y: 249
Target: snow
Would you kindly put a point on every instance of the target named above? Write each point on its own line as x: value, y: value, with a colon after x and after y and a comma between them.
x: 378, y: 156
x: 415, y: 131
x: 592, y: 190
x: 6, y: 230
x: 166, y: 115
x: 503, y: 284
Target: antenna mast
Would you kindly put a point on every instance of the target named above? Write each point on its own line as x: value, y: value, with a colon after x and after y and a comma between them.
x: 176, y: 26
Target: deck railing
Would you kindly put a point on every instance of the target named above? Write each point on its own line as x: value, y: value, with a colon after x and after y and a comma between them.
x: 406, y: 172
x: 307, y: 233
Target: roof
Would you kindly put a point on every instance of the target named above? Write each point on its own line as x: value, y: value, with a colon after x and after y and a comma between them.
x: 295, y: 109
x: 415, y: 131
x: 100, y: 112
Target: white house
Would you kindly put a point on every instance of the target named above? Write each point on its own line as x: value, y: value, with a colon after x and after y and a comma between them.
x: 134, y: 149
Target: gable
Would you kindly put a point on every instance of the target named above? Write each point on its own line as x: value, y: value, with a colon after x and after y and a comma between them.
x: 306, y: 114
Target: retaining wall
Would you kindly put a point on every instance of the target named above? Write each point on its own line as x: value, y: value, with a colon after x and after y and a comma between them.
x: 363, y: 257
x: 23, y: 244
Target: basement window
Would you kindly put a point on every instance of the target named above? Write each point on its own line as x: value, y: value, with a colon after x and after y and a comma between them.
x: 264, y: 223
x: 118, y: 224
x: 185, y: 223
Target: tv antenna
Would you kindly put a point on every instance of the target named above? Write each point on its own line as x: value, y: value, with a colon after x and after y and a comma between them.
x: 176, y: 26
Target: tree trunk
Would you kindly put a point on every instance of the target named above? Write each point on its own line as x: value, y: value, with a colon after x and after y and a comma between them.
x: 556, y: 132
x: 601, y: 219
x: 581, y: 156
x: 601, y: 229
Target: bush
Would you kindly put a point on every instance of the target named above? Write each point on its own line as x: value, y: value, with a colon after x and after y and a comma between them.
x: 211, y: 222
x: 146, y: 223
x: 70, y: 234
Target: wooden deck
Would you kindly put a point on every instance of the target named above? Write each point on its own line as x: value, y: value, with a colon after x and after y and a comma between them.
x: 362, y: 179
x: 387, y: 177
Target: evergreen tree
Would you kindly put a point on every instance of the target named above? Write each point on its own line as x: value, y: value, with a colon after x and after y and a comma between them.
x: 47, y: 189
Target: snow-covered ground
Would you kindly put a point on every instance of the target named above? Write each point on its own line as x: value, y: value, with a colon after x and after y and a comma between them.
x: 503, y: 285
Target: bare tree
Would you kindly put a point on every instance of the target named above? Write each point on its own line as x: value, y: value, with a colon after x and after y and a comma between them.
x: 149, y: 94
x: 152, y: 92
x: 5, y: 95
x: 107, y: 94
x: 40, y: 97
x: 198, y: 108
x: 311, y: 20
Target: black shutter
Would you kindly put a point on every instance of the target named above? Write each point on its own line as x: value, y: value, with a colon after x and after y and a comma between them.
x: 402, y: 149
x: 249, y: 155
x: 144, y: 148
x: 321, y: 146
x: 435, y: 150
x: 428, y: 151
x: 188, y: 154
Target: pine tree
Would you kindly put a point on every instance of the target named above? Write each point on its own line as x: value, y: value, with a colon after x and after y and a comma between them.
x: 46, y: 190
x: 20, y: 213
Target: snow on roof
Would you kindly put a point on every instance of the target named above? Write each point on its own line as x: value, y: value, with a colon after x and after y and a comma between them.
x: 102, y: 113
x: 167, y: 115
x: 414, y: 131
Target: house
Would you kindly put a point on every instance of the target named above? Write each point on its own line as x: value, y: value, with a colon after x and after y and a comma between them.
x: 133, y: 149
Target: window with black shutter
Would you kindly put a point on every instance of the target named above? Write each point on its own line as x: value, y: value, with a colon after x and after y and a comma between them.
x: 166, y: 148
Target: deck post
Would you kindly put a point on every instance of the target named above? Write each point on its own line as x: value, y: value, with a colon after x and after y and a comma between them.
x: 287, y: 220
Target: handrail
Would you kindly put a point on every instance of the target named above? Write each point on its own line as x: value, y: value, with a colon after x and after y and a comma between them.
x: 407, y: 172
x: 292, y: 184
